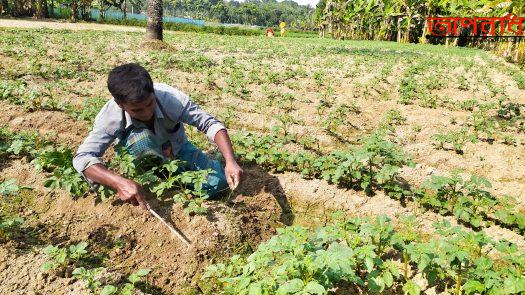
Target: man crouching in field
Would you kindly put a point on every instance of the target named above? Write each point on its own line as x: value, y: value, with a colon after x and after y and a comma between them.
x: 148, y: 119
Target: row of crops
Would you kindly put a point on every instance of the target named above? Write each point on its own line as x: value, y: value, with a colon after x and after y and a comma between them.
x: 369, y: 254
x: 372, y: 165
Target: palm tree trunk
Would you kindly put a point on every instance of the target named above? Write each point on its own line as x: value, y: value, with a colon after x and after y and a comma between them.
x: 518, y: 53
x: 399, y: 29
x: 74, y: 11
x: 154, y: 27
x: 423, y: 38
x: 102, y: 14
x: 409, y: 25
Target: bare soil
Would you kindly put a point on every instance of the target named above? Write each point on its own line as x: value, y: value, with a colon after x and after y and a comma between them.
x: 63, y: 25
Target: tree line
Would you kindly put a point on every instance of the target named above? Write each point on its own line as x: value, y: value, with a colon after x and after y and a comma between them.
x: 405, y: 20
x: 250, y: 12
x: 77, y: 9
x: 399, y: 20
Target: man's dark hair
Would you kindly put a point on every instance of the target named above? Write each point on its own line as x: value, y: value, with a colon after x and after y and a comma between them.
x: 130, y: 83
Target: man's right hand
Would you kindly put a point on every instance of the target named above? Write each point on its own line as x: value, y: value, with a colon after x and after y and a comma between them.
x: 127, y: 190
x: 131, y: 192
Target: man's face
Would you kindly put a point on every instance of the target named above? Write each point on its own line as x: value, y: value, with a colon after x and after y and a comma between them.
x: 142, y: 110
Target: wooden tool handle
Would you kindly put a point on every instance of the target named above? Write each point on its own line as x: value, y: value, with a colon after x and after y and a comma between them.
x: 172, y: 229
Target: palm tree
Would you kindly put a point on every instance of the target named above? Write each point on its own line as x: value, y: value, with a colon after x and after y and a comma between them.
x: 154, y: 27
x: 74, y: 10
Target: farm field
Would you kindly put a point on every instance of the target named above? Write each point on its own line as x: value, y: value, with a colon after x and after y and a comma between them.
x: 370, y: 167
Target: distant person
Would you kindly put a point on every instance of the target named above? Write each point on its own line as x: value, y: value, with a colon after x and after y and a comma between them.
x: 282, y: 25
x: 148, y: 120
x: 269, y: 32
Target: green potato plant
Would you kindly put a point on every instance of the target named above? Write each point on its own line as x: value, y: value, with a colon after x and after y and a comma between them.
x: 456, y: 139
x: 373, y: 164
x: 62, y: 257
x: 9, y: 187
x: 89, y: 276
x: 469, y: 201
x: 359, y: 252
x: 187, y: 186
x: 10, y: 227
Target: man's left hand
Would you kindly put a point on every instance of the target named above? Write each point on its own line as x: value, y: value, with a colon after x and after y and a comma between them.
x: 233, y: 173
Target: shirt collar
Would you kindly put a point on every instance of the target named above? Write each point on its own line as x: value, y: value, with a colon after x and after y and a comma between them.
x: 158, y: 111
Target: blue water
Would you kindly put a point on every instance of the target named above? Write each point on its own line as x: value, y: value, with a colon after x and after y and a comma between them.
x: 95, y: 13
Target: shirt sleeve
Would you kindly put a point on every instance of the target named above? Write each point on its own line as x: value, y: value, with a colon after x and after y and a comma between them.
x: 93, y: 147
x: 193, y: 115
